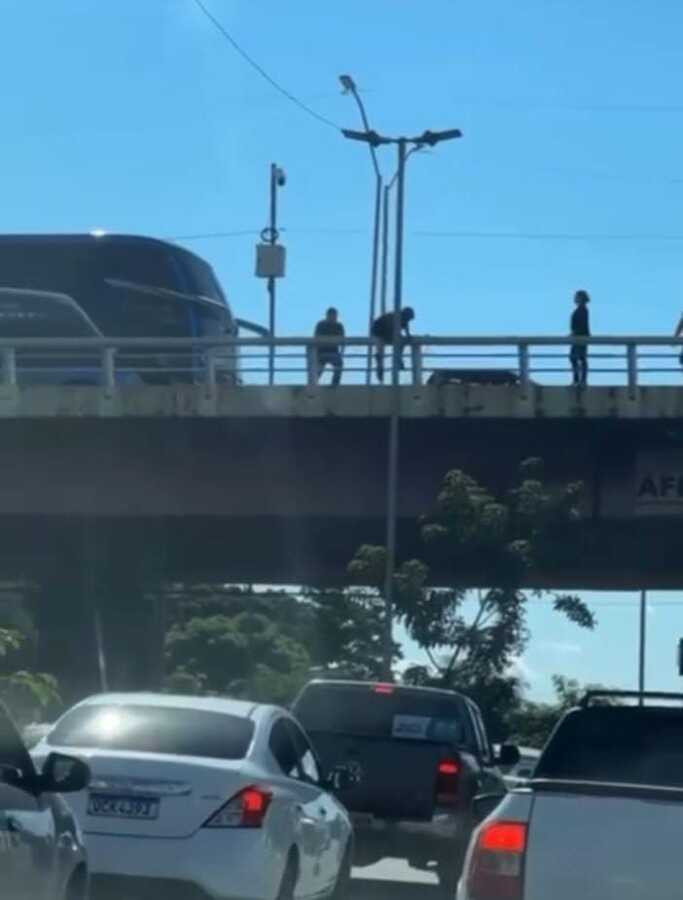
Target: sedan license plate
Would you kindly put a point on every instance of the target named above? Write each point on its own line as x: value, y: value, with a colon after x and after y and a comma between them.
x: 120, y: 806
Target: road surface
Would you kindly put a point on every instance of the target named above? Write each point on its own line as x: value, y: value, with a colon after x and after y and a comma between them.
x: 393, y: 880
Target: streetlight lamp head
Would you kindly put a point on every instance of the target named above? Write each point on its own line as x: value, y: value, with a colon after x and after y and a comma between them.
x: 431, y: 138
x: 347, y: 83
x: 367, y: 137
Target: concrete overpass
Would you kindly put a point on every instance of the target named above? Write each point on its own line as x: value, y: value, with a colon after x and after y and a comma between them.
x: 281, y: 484
x: 106, y: 491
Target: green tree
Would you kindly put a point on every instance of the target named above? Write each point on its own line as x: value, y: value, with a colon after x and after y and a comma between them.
x: 266, y: 644
x: 28, y: 695
x: 473, y: 638
x: 242, y: 655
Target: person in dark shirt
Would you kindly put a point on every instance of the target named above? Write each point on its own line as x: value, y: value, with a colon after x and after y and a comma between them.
x: 330, y: 354
x: 383, y: 333
x: 580, y: 327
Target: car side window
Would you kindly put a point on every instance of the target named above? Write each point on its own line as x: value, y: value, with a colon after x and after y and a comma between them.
x: 305, y: 755
x: 281, y: 744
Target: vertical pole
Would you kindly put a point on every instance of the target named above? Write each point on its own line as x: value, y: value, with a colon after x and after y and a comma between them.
x: 392, y: 473
x: 271, y: 281
x: 99, y: 644
x: 523, y: 361
x: 632, y: 368
x: 641, y: 646
x: 385, y: 251
x: 108, y: 367
x: 9, y: 365
x: 374, y: 272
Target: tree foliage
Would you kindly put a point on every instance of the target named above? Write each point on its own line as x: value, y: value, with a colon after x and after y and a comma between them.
x: 266, y: 644
x: 473, y: 638
x: 29, y: 695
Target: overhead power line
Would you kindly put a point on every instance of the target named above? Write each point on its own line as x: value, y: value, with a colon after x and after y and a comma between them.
x: 261, y: 71
x: 465, y: 235
x: 213, y: 234
x: 548, y: 236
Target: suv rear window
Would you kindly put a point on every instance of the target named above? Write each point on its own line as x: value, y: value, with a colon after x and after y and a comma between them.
x: 364, y: 711
x: 642, y: 746
x: 154, y: 729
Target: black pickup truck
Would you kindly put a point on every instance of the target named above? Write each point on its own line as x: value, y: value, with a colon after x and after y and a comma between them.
x: 421, y: 755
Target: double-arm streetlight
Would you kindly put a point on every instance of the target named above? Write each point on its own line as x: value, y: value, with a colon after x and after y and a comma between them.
x: 349, y: 86
x: 374, y: 140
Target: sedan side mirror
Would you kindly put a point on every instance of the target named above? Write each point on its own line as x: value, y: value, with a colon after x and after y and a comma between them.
x: 509, y: 756
x: 64, y: 774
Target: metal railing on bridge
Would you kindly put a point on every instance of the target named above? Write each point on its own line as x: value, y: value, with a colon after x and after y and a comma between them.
x: 612, y: 360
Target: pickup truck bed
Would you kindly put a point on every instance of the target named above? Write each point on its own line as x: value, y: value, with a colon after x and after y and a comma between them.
x: 602, y: 821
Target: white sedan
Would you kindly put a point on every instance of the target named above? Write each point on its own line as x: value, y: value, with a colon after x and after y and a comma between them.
x: 203, y: 798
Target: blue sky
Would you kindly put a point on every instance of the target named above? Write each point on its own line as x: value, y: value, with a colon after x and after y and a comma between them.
x: 139, y: 117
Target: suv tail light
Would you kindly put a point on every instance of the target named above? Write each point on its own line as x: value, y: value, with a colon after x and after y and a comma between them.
x: 447, y: 782
x: 496, y: 868
x: 245, y: 810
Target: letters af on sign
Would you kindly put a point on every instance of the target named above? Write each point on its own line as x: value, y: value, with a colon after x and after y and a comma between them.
x: 659, y: 484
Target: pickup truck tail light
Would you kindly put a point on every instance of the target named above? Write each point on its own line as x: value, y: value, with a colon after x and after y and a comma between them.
x: 496, y: 867
x: 448, y: 781
x: 245, y: 810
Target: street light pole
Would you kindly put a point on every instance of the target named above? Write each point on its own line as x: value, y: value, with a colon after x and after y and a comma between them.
x: 385, y: 251
x: 392, y: 463
x: 641, y: 645
x: 349, y: 86
x: 428, y: 138
x: 271, y: 281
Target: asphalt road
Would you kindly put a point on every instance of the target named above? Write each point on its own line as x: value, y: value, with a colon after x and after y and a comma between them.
x: 393, y: 880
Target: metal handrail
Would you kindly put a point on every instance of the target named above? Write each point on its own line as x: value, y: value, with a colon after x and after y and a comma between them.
x: 422, y: 339
x: 206, y: 358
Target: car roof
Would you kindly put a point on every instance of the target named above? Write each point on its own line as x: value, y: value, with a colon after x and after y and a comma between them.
x: 89, y: 238
x: 398, y: 688
x: 244, y: 709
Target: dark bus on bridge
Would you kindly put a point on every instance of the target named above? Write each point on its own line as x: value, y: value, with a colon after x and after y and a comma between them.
x: 91, y: 285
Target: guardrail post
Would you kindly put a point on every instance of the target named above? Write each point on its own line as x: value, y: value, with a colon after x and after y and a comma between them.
x: 211, y: 366
x: 417, y: 364
x: 311, y: 359
x: 632, y: 368
x: 523, y: 360
x: 9, y: 366
x: 108, y: 367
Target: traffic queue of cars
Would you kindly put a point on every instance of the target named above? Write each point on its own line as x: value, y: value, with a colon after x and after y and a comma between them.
x: 210, y: 798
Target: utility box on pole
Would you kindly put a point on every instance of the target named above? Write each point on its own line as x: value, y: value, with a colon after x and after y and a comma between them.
x: 270, y: 261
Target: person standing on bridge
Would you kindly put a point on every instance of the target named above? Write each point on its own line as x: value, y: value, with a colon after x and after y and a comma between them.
x: 383, y: 333
x: 330, y: 354
x: 580, y: 327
